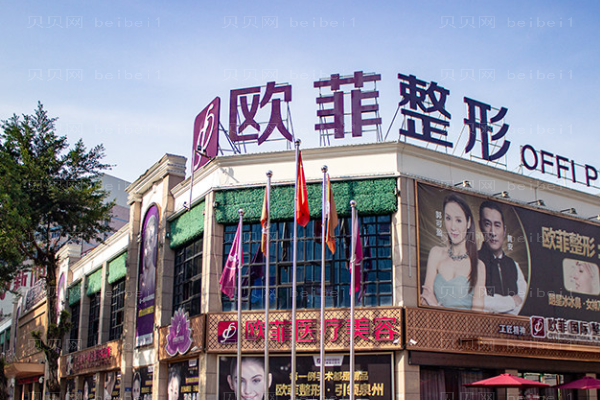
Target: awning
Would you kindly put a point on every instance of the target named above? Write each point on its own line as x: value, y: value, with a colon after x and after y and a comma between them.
x: 23, y: 370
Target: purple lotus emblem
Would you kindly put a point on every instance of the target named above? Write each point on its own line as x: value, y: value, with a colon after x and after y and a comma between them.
x: 179, y: 339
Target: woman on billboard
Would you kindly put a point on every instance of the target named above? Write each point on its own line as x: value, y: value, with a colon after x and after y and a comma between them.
x: 455, y: 277
x: 253, y: 378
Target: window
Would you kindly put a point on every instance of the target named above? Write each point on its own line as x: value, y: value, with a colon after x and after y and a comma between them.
x: 74, y: 334
x: 376, y: 289
x: 187, y: 283
x: 94, y: 321
x: 117, y: 309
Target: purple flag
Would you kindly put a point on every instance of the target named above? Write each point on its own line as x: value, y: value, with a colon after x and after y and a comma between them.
x: 357, y: 254
x: 227, y: 280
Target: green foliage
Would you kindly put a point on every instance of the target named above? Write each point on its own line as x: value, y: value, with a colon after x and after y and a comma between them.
x: 373, y: 196
x: 48, y: 191
x: 189, y: 226
x: 50, y: 194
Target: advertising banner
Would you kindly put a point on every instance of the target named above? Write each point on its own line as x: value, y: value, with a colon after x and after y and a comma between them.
x: 527, y: 262
x: 183, y: 379
x: 141, y: 386
x: 373, y: 377
x: 89, y: 388
x: 112, y: 385
x: 70, y: 390
x: 147, y: 278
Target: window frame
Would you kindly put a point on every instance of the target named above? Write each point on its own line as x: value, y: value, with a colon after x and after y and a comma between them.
x: 187, y: 277
x: 94, y: 320
x: 117, y: 308
x: 377, y: 265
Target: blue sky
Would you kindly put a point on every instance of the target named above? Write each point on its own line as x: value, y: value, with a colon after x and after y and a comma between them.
x: 133, y: 74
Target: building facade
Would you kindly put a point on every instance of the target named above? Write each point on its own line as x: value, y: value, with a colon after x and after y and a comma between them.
x: 149, y: 320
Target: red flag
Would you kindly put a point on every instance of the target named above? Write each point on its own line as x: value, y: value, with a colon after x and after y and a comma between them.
x: 357, y: 255
x: 332, y: 217
x: 302, y: 213
x: 227, y: 280
x: 265, y: 220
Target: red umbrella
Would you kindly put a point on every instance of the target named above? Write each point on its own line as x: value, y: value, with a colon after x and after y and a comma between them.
x: 587, y: 382
x: 507, y: 381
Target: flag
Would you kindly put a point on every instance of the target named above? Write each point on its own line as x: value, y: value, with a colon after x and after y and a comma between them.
x: 302, y: 213
x: 357, y: 255
x: 332, y: 217
x: 265, y: 220
x: 227, y: 280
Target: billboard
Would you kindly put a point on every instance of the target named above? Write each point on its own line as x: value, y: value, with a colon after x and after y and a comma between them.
x: 526, y: 262
x: 147, y: 278
x: 141, y: 387
x: 373, y: 377
x: 89, y: 388
x: 183, y: 380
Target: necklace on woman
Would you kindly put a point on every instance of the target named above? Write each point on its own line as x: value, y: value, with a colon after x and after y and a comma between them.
x: 456, y: 258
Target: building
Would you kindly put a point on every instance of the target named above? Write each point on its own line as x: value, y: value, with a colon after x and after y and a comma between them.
x: 149, y: 317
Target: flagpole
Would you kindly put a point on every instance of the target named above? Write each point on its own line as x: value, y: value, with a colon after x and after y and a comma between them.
x: 323, y: 242
x: 239, y: 306
x: 267, y: 288
x: 352, y: 296
x: 294, y: 283
x: 192, y: 177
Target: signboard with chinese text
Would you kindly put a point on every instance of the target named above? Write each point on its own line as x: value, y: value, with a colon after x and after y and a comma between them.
x: 425, y: 121
x: 95, y: 359
x: 243, y: 118
x: 529, y: 262
x: 565, y: 329
x: 448, y: 331
x: 372, y: 377
x: 375, y: 328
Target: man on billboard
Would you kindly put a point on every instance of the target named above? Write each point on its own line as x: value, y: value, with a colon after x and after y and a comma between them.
x: 504, y: 281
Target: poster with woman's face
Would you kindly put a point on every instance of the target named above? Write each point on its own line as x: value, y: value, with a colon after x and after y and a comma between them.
x: 147, y: 278
x: 141, y: 387
x: 373, y: 372
x: 70, y: 390
x: 182, y: 382
x: 551, y: 259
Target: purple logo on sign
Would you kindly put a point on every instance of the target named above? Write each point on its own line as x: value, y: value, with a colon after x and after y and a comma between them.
x: 206, y: 134
x: 179, y: 339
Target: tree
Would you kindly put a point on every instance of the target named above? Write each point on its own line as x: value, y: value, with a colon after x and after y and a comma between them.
x: 50, y: 194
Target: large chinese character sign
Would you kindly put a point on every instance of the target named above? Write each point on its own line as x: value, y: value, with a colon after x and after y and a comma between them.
x: 248, y: 111
x: 363, y: 106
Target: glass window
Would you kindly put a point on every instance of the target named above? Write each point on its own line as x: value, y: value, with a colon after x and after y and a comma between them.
x: 376, y: 286
x: 187, y: 283
x: 117, y: 309
x: 74, y: 334
x: 94, y: 321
